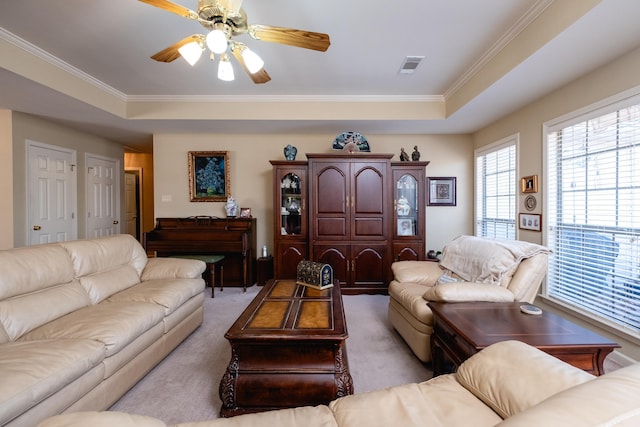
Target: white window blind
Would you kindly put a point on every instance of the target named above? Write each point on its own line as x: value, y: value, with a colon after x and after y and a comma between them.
x: 496, y: 190
x: 593, y: 215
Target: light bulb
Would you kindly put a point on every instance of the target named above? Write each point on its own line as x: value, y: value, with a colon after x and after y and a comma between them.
x: 191, y: 52
x: 217, y: 41
x: 225, y: 69
x: 253, y: 62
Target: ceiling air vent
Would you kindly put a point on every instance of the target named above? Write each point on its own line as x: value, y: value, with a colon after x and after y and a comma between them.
x: 410, y: 64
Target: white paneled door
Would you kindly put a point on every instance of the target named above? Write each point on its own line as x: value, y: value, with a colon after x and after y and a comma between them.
x: 103, y: 196
x: 51, y: 201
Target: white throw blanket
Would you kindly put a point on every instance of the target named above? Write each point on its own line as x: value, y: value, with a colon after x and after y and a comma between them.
x: 486, y: 260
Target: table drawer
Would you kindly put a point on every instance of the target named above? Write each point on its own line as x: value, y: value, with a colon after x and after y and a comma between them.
x: 454, y: 345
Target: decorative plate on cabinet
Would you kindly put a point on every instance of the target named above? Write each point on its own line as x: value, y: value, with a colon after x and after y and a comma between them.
x: 342, y: 141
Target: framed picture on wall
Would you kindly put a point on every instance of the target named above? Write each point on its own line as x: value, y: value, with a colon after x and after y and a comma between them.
x: 529, y: 184
x: 441, y: 191
x: 209, y: 176
x: 531, y: 222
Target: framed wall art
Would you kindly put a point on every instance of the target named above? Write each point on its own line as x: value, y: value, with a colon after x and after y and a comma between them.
x: 209, y: 176
x: 531, y: 222
x: 441, y: 191
x: 529, y: 184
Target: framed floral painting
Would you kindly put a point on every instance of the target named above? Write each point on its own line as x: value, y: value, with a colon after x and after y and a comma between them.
x: 209, y: 176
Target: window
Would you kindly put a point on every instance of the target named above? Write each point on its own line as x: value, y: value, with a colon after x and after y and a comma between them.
x: 496, y: 189
x: 593, y: 223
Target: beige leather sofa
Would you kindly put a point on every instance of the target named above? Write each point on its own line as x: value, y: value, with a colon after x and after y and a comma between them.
x: 82, y: 321
x: 471, y: 269
x: 507, y: 384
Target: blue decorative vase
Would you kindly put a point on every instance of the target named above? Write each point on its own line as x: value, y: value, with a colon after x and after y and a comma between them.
x: 290, y: 152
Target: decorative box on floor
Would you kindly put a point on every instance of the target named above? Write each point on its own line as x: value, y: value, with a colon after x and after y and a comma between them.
x: 314, y: 274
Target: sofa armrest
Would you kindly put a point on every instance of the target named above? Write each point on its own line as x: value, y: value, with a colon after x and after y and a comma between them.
x: 511, y: 376
x: 173, y: 268
x: 421, y: 272
x: 467, y: 291
x: 101, y: 419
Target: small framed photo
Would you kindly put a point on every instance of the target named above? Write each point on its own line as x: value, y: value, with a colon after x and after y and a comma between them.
x: 531, y: 222
x: 529, y: 184
x: 209, y: 176
x: 245, y: 212
x: 405, y: 227
x: 441, y: 191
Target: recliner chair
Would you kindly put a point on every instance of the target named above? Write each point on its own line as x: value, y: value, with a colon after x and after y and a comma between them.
x: 471, y: 269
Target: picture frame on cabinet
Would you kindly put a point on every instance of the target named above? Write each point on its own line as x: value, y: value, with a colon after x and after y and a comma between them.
x: 209, y: 176
x: 245, y: 212
x: 405, y: 227
x: 531, y: 222
x: 441, y: 191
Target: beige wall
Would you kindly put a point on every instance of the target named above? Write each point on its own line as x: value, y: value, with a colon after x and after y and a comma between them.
x: 251, y: 175
x: 6, y: 180
x: 616, y: 77
x: 27, y: 127
x: 143, y: 162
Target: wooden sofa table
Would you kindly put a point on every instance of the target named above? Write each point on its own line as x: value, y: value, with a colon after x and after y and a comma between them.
x: 462, y: 329
x: 287, y: 349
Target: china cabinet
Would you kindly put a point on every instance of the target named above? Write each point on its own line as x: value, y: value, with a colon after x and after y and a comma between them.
x: 408, y: 210
x: 358, y: 212
x: 290, y: 216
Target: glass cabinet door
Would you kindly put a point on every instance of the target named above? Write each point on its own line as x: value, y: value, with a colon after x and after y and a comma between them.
x: 291, y: 205
x: 406, y: 205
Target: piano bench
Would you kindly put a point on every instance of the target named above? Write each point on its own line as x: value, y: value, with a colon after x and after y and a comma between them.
x: 211, y: 261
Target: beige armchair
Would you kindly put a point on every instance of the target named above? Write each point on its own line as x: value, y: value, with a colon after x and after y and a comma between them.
x: 471, y: 269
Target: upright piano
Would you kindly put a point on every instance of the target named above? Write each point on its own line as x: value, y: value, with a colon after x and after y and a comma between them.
x: 234, y: 238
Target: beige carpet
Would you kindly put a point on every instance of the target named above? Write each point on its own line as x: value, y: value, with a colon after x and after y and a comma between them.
x: 184, y: 387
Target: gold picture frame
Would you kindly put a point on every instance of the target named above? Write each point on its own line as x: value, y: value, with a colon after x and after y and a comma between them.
x: 529, y: 184
x: 209, y: 176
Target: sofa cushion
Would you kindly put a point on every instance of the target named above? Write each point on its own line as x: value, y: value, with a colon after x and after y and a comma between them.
x: 169, y: 293
x: 24, y: 313
x: 106, y: 253
x: 507, y: 376
x: 420, y: 272
x: 101, y: 419
x: 437, y: 402
x: 33, y: 268
x: 610, y: 400
x: 466, y: 291
x: 307, y: 416
x: 115, y: 324
x: 32, y: 371
x: 164, y: 268
x: 101, y: 286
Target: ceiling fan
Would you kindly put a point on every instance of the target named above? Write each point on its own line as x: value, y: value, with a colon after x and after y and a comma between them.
x: 225, y: 19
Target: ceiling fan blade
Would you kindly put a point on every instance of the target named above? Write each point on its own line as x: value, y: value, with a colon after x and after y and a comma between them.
x: 291, y: 37
x: 258, y: 77
x: 171, y: 53
x: 172, y: 7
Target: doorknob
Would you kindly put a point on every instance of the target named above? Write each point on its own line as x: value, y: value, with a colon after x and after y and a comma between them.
x: 36, y: 227
x: 115, y: 221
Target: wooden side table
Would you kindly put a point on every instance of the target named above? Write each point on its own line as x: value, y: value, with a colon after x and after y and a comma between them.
x: 265, y: 269
x: 464, y: 328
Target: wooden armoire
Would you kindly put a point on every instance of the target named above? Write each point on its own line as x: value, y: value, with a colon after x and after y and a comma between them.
x: 342, y: 209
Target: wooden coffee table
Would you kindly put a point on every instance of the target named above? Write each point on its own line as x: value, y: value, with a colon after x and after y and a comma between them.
x: 287, y: 349
x: 462, y: 329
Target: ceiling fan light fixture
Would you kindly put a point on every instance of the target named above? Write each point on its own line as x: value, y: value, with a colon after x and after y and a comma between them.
x: 253, y: 62
x: 217, y: 41
x: 191, y: 52
x: 225, y: 69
